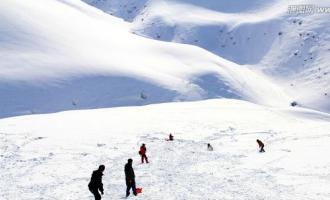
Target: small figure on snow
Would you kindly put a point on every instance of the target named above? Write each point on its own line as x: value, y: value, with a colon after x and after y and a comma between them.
x: 209, y: 147
x: 170, y: 137
x: 142, y: 152
x: 261, y: 146
x: 95, y: 185
x: 130, y: 178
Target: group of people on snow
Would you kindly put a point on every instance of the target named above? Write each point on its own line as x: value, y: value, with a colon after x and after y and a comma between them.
x: 96, y: 186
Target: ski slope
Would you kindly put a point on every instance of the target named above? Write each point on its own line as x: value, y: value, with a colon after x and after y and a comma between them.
x: 51, y: 156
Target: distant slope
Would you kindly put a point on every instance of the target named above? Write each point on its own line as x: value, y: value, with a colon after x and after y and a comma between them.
x: 61, y: 55
x: 292, y: 49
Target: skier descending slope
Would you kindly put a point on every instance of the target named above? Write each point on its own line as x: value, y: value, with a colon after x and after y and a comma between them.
x: 96, y: 183
x: 142, y: 153
x: 261, y: 146
x: 130, y: 177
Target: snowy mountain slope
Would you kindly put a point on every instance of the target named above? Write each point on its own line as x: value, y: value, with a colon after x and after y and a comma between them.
x: 58, y: 55
x: 61, y: 55
x: 304, y: 72
x: 52, y: 156
x: 290, y: 48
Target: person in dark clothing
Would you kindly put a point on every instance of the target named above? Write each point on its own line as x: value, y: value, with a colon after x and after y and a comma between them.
x: 261, y: 146
x: 209, y: 147
x: 130, y: 178
x: 96, y: 184
x: 142, y: 152
x: 171, y: 138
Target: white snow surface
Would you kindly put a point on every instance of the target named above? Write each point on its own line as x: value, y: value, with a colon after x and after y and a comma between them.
x: 51, y: 156
x: 291, y: 49
x: 62, y: 55
x: 220, y: 72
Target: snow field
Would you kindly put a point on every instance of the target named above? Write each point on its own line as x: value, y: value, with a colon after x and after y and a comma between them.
x: 45, y: 158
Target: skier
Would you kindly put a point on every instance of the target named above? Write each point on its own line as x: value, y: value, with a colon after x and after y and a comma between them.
x: 171, y: 137
x: 96, y: 184
x: 261, y: 146
x: 142, y: 153
x: 209, y: 147
x: 130, y: 178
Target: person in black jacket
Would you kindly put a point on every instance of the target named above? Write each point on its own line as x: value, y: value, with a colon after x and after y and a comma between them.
x: 261, y: 146
x: 96, y: 183
x: 130, y: 177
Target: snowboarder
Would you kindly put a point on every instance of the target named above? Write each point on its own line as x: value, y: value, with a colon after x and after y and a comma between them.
x: 170, y: 137
x: 261, y: 146
x: 209, y: 147
x: 130, y: 178
x: 142, y: 153
x: 96, y: 184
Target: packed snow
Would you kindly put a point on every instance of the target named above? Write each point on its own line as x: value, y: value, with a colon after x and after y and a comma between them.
x: 51, y: 156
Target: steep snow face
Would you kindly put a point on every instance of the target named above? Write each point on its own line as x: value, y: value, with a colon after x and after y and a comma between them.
x: 52, y: 156
x: 224, y: 28
x: 292, y: 49
x: 130, y: 9
x: 59, y: 55
x: 305, y: 70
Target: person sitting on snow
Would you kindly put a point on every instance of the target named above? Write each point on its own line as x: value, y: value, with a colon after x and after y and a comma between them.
x: 261, y: 146
x: 170, y: 137
x: 142, y: 153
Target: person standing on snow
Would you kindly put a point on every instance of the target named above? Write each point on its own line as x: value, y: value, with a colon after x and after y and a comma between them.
x: 96, y: 184
x: 130, y: 178
x: 261, y: 146
x: 142, y: 153
x: 209, y: 147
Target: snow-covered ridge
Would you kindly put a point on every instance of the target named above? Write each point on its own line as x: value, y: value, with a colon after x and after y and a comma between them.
x: 291, y: 49
x: 60, y: 55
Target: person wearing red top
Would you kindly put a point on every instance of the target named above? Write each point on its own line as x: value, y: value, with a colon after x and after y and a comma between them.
x: 142, y: 152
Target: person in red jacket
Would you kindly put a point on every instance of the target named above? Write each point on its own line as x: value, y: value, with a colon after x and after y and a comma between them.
x: 142, y: 152
x: 261, y: 146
